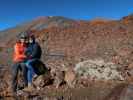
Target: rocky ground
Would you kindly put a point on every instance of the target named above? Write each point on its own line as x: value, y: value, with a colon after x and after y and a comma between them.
x: 89, y: 80
x: 94, y: 91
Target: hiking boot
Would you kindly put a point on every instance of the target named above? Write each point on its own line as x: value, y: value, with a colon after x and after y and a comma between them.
x: 30, y: 88
x: 35, y: 77
x: 19, y: 92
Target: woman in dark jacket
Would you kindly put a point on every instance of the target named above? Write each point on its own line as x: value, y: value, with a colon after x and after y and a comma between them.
x: 33, y: 53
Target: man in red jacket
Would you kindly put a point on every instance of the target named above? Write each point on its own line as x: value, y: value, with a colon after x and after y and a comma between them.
x: 19, y: 59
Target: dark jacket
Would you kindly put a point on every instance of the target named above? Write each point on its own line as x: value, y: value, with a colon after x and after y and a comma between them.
x: 34, y: 51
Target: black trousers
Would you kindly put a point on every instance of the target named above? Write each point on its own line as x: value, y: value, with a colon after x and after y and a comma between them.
x: 19, y: 66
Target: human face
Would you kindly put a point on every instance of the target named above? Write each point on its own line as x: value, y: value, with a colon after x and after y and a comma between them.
x: 26, y: 40
x: 30, y: 40
x: 22, y: 40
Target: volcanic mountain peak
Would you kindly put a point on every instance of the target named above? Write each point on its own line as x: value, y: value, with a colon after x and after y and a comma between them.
x: 37, y: 24
x: 51, y: 21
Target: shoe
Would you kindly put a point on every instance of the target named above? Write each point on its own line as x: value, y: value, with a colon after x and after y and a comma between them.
x: 20, y: 92
x: 35, y: 77
x: 30, y: 88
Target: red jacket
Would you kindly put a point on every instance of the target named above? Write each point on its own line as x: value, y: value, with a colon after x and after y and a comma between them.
x: 19, y: 52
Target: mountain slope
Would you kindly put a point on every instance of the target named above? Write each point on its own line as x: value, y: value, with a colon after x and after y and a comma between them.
x: 37, y: 24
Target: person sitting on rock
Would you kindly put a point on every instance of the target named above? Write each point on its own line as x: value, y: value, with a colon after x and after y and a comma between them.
x: 19, y: 61
x: 33, y: 53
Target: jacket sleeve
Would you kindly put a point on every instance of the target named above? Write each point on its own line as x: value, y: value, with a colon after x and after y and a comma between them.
x: 36, y: 53
x: 27, y: 53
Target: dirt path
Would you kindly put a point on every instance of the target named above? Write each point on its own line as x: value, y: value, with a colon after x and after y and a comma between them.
x: 96, y: 91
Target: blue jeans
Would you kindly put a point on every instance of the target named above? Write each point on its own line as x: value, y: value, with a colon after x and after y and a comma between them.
x: 30, y: 70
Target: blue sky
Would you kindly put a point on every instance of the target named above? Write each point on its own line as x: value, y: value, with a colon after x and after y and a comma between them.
x: 13, y: 12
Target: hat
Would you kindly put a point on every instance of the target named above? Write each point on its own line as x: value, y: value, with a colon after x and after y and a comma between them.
x: 23, y: 35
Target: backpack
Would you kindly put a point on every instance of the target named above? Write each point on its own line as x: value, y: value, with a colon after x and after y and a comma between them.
x: 39, y: 67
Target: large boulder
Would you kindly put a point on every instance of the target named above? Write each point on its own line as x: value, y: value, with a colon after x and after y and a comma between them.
x: 42, y: 80
x: 70, y: 78
x: 99, y: 70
